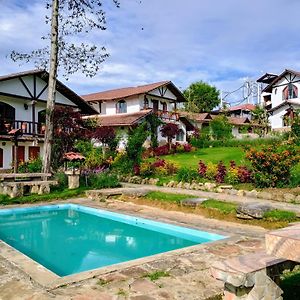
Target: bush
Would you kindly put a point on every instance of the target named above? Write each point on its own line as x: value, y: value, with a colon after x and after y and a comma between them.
x: 103, y: 180
x: 272, y: 165
x: 62, y: 180
x: 187, y: 175
x: 31, y: 166
x: 220, y: 128
x: 221, y: 172
x: 211, y: 171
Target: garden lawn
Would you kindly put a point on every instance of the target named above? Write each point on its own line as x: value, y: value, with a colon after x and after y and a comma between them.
x: 214, y: 155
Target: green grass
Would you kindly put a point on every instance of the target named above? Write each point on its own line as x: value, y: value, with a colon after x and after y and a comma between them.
x: 156, y: 275
x: 214, y: 155
x: 290, y: 284
x: 167, y: 197
x: 280, y: 215
x: 224, y: 207
x: 56, y: 195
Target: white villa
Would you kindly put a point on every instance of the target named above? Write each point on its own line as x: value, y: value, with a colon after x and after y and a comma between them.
x: 280, y: 97
x: 126, y: 107
x: 22, y: 112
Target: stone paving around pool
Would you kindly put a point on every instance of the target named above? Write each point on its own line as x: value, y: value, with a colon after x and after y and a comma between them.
x: 189, y: 270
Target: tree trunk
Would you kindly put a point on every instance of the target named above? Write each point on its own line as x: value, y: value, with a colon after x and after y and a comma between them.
x: 51, y: 87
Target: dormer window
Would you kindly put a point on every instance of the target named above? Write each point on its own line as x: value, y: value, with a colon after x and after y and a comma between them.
x: 290, y: 92
x: 121, y: 107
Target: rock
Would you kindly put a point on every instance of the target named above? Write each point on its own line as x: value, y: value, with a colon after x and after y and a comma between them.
x: 180, y: 184
x: 254, y: 210
x: 241, y: 193
x: 252, y: 194
x: 297, y: 199
x: 171, y: 183
x: 265, y: 195
x: 192, y: 202
x: 210, y: 186
x: 186, y: 185
x: 218, y: 190
x: 288, y: 197
x: 225, y: 187
x: 232, y: 192
x: 193, y: 186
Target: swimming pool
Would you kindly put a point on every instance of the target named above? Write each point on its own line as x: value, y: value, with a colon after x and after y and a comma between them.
x: 68, y: 238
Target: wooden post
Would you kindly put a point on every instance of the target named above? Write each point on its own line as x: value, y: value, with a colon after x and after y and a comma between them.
x: 16, y: 163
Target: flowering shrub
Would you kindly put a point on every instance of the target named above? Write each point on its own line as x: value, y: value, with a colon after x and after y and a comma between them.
x: 165, y: 149
x: 33, y: 165
x: 211, y: 171
x: 272, y: 165
x: 146, y: 169
x: 244, y: 174
x: 202, y: 169
x: 221, y: 172
x: 161, y: 150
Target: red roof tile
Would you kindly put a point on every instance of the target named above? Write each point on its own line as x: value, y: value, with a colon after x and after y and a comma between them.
x: 71, y: 156
x: 132, y: 91
x: 127, y: 119
x: 242, y: 107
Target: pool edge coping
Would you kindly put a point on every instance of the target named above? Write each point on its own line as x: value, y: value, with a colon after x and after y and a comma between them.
x: 46, y: 278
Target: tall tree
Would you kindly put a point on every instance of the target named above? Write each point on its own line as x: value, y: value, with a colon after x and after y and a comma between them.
x: 261, y: 118
x: 201, y: 97
x: 68, y: 18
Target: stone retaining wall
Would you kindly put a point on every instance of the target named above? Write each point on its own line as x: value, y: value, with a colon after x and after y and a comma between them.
x: 212, y: 187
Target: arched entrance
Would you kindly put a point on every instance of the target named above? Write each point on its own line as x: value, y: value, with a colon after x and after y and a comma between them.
x: 7, y: 115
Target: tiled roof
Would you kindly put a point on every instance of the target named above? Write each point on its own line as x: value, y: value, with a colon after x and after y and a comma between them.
x: 286, y: 102
x: 127, y: 119
x: 72, y: 156
x: 242, y: 107
x: 132, y: 91
x: 238, y: 121
x: 198, y: 117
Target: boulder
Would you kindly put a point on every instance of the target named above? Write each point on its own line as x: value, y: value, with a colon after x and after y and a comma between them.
x: 252, y: 194
x: 265, y: 195
x: 225, y: 187
x: 297, y: 199
x: 180, y: 184
x: 241, y: 193
x: 288, y: 197
x: 252, y: 210
x: 209, y: 186
x: 186, y: 185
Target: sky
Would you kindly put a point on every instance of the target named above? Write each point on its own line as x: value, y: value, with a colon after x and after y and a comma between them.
x: 216, y: 41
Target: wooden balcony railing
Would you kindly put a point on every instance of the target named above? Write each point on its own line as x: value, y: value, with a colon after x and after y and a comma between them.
x: 167, y: 115
x: 27, y: 127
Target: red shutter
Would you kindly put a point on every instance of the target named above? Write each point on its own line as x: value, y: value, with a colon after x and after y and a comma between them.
x: 34, y: 152
x: 286, y: 93
x: 20, y: 153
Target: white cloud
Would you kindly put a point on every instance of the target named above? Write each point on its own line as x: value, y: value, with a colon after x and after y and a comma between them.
x: 217, y: 41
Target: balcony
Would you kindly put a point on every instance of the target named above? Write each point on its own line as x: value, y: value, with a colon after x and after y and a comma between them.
x: 167, y: 115
x: 27, y: 127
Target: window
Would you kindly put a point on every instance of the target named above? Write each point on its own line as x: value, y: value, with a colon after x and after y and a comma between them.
x: 180, y: 136
x: 121, y: 107
x: 290, y: 92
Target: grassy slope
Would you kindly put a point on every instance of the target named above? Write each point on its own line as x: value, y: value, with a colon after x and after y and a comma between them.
x: 226, y: 154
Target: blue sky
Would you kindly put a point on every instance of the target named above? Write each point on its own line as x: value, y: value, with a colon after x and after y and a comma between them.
x: 220, y: 42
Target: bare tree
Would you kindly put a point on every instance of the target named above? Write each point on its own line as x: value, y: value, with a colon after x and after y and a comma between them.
x: 68, y: 18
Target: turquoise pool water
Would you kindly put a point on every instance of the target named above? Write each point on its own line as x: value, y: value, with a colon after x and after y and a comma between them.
x: 68, y: 238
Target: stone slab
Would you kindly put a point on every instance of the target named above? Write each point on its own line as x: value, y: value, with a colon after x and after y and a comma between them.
x: 253, y: 210
x: 284, y: 243
x: 240, y: 271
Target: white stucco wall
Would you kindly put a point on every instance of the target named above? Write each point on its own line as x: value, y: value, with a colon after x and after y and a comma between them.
x: 15, y: 87
x: 168, y: 94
